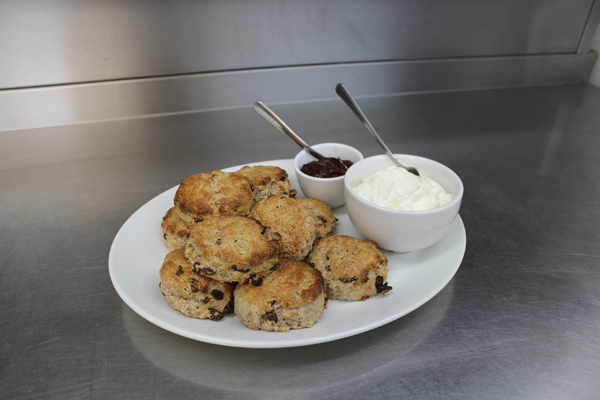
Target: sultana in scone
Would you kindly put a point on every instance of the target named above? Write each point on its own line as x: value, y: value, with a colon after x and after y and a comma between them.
x: 267, y: 181
x: 295, y: 224
x: 192, y: 294
x: 353, y: 269
x: 175, y: 228
x: 289, y: 297
x: 214, y: 193
x: 325, y: 220
x: 231, y: 248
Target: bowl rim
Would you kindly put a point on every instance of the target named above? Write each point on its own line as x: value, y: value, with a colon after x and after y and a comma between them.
x: 453, y: 203
x: 334, y: 179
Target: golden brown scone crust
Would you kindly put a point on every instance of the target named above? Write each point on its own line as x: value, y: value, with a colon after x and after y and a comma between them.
x: 176, y: 229
x: 192, y: 294
x: 322, y: 212
x: 353, y: 269
x: 214, y: 193
x: 231, y: 248
x: 267, y: 181
x: 294, y: 223
x: 289, y: 297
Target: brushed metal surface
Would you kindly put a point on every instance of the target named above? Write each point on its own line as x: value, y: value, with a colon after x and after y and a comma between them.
x: 591, y: 27
x: 519, y: 320
x: 53, y: 42
x: 61, y: 105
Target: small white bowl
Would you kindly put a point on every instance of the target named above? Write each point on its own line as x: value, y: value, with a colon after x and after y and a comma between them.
x: 329, y: 190
x: 395, y: 230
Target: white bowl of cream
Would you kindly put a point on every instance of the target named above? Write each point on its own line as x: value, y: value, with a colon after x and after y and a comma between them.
x: 398, y: 210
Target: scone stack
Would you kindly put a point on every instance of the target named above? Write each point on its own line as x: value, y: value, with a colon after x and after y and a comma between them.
x: 242, y: 242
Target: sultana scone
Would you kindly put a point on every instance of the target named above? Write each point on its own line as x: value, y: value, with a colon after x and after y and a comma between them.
x: 295, y: 224
x: 192, y: 294
x: 214, y: 193
x: 267, y: 181
x: 325, y: 219
x: 231, y: 248
x: 353, y: 269
x: 291, y: 296
x: 175, y: 228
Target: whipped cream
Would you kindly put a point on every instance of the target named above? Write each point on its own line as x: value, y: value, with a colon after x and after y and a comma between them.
x: 398, y: 189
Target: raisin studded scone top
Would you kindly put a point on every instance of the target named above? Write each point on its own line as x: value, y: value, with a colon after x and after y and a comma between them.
x: 290, y: 296
x: 176, y: 229
x: 192, y: 294
x: 295, y: 224
x: 267, y: 181
x: 353, y: 269
x: 325, y: 220
x: 214, y: 193
x: 231, y: 248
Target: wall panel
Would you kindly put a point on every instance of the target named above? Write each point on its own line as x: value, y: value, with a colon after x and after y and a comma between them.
x: 51, y: 42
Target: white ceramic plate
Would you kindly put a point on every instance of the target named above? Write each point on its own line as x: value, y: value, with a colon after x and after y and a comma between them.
x: 138, y: 251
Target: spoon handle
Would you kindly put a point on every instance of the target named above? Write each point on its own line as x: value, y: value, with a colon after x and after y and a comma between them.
x: 270, y: 116
x: 345, y: 95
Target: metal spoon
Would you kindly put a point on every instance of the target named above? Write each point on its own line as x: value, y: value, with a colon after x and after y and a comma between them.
x: 345, y: 95
x: 270, y: 116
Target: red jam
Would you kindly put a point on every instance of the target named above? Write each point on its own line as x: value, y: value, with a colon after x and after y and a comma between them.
x: 325, y: 168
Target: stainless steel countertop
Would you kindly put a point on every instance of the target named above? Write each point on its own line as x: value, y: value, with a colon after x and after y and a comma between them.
x: 520, y: 319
